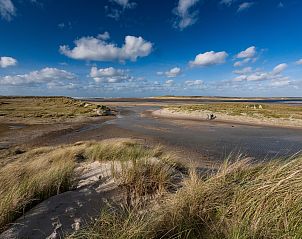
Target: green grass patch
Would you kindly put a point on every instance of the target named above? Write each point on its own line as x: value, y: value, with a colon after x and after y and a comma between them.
x: 45, y: 108
x: 121, y: 151
x: 245, y: 109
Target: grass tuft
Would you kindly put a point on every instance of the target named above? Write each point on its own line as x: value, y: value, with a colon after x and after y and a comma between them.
x: 120, y: 151
x: 147, y: 178
x: 43, y: 172
x: 35, y: 176
x: 241, y: 200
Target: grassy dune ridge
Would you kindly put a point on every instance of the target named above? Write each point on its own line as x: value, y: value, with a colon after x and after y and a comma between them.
x: 40, y: 173
x: 35, y: 176
x: 257, y: 110
x: 241, y: 200
x: 45, y: 109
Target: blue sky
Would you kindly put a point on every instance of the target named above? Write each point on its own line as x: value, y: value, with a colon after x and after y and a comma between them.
x: 135, y: 48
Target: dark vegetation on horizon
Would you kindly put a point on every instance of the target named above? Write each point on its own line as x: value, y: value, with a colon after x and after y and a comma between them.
x: 47, y: 108
x: 283, y: 111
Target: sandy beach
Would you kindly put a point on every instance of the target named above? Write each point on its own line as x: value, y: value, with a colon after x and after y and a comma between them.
x: 221, y: 117
x: 188, y: 137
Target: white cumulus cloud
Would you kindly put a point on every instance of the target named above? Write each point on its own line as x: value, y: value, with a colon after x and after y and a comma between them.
x: 246, y: 56
x: 172, y: 73
x: 243, y: 62
x: 250, y: 52
x: 299, y: 62
x: 244, y: 6
x: 97, y: 49
x: 284, y: 81
x: 209, y: 58
x: 186, y: 17
x: 6, y: 61
x: 194, y: 85
x: 110, y: 75
x: 240, y: 78
x: 45, y: 75
x: 169, y: 82
x: 274, y: 76
x: 7, y: 10
x: 104, y: 36
x: 243, y: 71
x: 279, y: 68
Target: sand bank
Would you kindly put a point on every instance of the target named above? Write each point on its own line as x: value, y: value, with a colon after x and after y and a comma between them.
x: 221, y: 117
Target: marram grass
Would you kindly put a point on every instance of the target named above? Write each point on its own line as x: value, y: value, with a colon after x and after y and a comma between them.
x: 33, y: 177
x: 241, y: 201
x: 43, y: 172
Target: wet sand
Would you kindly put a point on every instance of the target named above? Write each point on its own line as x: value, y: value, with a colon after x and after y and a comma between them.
x: 214, y: 140
x: 207, y: 143
x: 15, y: 137
x: 199, y: 141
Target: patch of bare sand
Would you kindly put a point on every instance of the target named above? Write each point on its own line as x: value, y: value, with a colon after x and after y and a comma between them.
x: 203, y: 115
x: 70, y: 210
x: 95, y: 188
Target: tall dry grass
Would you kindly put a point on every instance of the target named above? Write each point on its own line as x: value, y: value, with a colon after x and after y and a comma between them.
x: 120, y: 150
x: 40, y: 173
x: 34, y: 176
x: 241, y: 200
x: 147, y: 178
x: 141, y: 170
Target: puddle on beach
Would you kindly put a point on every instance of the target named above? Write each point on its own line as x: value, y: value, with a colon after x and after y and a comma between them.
x: 4, y: 146
x: 16, y: 126
x: 6, y: 127
x: 89, y: 127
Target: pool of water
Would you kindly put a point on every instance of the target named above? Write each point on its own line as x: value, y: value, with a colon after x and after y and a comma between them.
x: 212, y: 139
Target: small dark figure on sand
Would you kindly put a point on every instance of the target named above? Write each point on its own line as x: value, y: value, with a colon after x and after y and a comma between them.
x: 211, y: 117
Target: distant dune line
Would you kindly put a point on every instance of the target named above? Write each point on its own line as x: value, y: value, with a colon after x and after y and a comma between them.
x: 221, y: 117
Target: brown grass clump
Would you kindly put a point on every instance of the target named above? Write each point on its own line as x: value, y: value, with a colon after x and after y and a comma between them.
x: 148, y: 178
x: 40, y: 173
x: 241, y: 200
x: 143, y: 171
x: 122, y: 223
x: 120, y: 150
x: 33, y: 177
